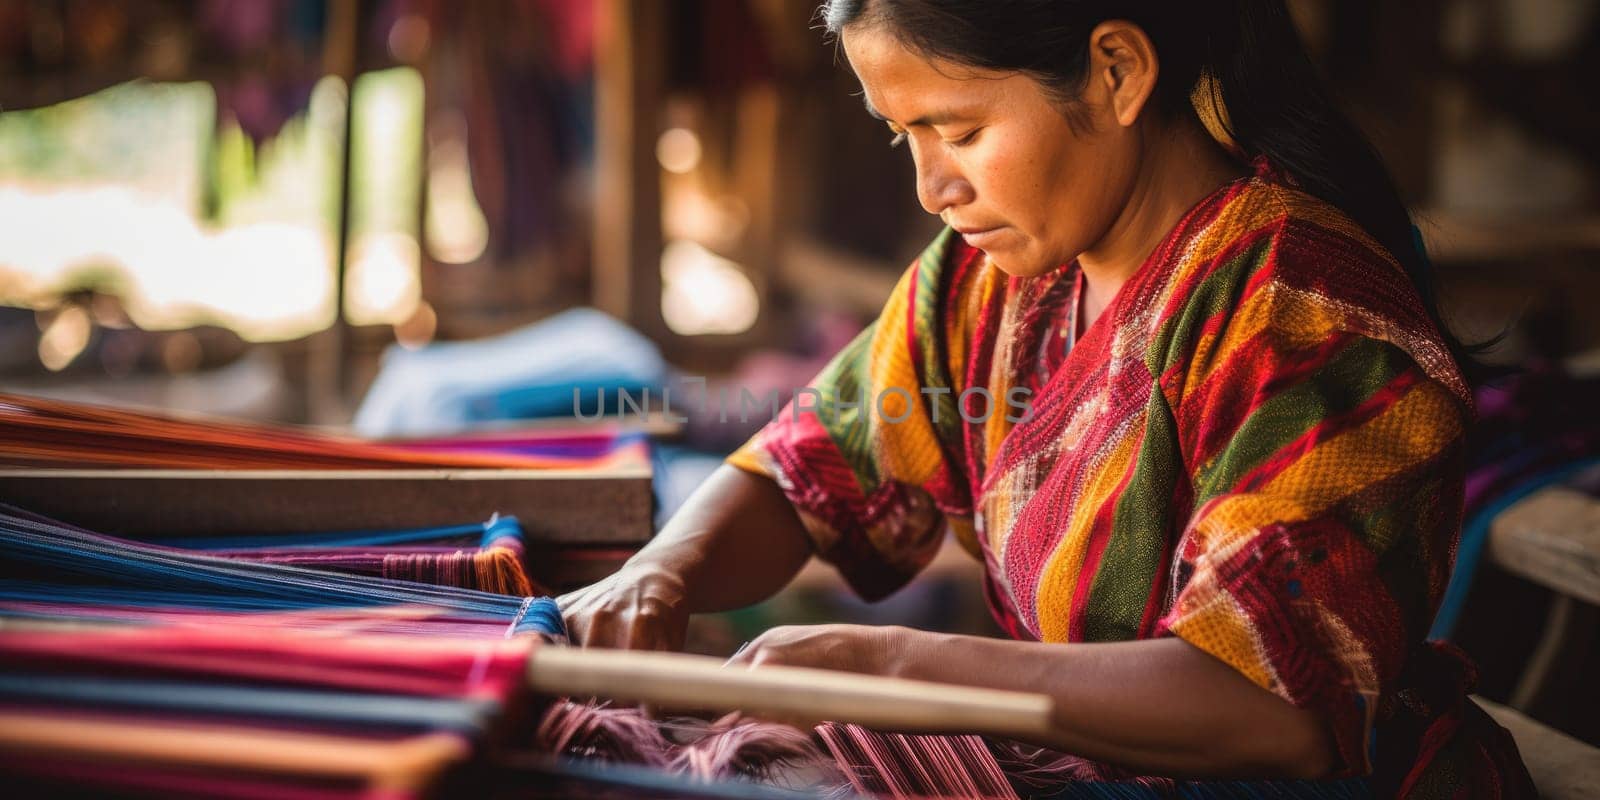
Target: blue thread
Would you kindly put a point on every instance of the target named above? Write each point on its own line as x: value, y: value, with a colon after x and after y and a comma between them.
x: 496, y: 527
x: 130, y: 573
x: 541, y: 615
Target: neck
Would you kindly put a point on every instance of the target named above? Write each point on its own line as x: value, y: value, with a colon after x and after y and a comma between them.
x: 1179, y: 169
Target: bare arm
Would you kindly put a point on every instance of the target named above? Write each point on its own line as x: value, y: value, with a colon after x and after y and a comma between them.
x: 735, y: 542
x: 1161, y: 705
x: 1158, y: 706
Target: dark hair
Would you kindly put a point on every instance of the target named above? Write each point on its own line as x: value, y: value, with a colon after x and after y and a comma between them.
x: 1276, y: 104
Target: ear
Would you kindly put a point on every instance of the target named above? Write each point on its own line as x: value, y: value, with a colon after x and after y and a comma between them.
x: 1122, y: 60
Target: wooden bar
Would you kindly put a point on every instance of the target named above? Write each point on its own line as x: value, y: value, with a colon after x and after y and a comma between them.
x: 402, y: 766
x: 1563, y: 768
x: 791, y: 694
x: 612, y: 507
x: 1553, y: 539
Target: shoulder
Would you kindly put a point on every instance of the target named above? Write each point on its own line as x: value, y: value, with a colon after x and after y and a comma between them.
x: 1269, y: 231
x: 1273, y: 260
x: 1319, y: 248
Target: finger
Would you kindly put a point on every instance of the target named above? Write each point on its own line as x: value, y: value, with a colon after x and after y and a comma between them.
x: 577, y: 631
x: 651, y: 626
x: 576, y: 623
x: 606, y: 630
x: 650, y: 633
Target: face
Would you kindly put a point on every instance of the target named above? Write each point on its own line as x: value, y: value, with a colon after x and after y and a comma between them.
x: 996, y: 157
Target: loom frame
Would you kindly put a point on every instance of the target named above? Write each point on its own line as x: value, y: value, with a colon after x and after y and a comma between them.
x: 612, y: 506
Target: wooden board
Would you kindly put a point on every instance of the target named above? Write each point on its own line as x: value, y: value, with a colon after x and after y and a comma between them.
x: 613, y: 507
x: 798, y: 695
x: 1563, y: 768
x: 1553, y: 539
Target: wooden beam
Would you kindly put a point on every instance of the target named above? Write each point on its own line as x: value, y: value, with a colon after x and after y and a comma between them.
x: 328, y: 349
x: 676, y: 681
x: 1553, y: 539
x: 1562, y: 767
x: 399, y: 766
x: 571, y: 506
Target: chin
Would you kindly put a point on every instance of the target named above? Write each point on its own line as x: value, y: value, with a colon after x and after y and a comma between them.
x: 1020, y: 264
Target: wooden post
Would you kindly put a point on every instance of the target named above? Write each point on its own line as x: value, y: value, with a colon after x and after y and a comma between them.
x: 325, y: 357
x: 630, y: 56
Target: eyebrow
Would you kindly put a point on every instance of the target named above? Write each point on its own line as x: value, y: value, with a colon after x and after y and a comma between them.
x: 936, y: 118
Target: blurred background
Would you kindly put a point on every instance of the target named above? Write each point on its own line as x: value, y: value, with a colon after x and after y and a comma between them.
x: 239, y: 206
x: 406, y: 217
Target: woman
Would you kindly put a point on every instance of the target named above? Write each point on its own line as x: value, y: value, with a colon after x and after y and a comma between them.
x: 1221, y: 530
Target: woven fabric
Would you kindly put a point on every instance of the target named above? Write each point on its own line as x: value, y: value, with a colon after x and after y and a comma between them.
x: 1257, y: 447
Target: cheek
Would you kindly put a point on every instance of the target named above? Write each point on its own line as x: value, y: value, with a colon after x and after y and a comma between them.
x: 1014, y: 187
x: 1083, y: 195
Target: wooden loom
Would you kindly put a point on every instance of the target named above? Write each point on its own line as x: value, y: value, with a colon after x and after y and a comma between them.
x: 587, y: 508
x: 195, y: 641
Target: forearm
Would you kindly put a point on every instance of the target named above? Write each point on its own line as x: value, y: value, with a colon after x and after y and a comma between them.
x: 1159, y: 706
x: 735, y: 542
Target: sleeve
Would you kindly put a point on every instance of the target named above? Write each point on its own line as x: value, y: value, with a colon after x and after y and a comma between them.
x: 1327, y: 474
x: 869, y: 453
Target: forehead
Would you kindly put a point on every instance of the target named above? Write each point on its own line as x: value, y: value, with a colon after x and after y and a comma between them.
x: 900, y: 83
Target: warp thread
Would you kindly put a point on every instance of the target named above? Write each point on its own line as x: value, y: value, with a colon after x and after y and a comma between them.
x: 732, y: 746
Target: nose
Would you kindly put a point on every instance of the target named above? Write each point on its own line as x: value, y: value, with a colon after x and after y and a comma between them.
x: 940, y: 184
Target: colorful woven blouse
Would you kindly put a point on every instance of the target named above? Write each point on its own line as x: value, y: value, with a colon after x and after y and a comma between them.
x: 1257, y: 447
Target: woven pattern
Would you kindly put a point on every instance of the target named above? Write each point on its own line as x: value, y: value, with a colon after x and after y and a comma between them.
x: 1257, y: 447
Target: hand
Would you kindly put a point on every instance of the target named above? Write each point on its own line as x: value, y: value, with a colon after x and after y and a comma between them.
x: 632, y: 609
x: 854, y: 648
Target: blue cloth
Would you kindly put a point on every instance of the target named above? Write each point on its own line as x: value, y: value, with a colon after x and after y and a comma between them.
x: 449, y: 387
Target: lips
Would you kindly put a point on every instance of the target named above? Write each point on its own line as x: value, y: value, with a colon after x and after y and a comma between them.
x: 977, y: 237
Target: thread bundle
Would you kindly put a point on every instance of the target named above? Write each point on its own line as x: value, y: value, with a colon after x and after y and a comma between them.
x: 488, y: 557
x: 39, y: 432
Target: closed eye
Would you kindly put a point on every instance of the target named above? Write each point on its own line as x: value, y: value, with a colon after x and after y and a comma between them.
x: 965, y: 140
